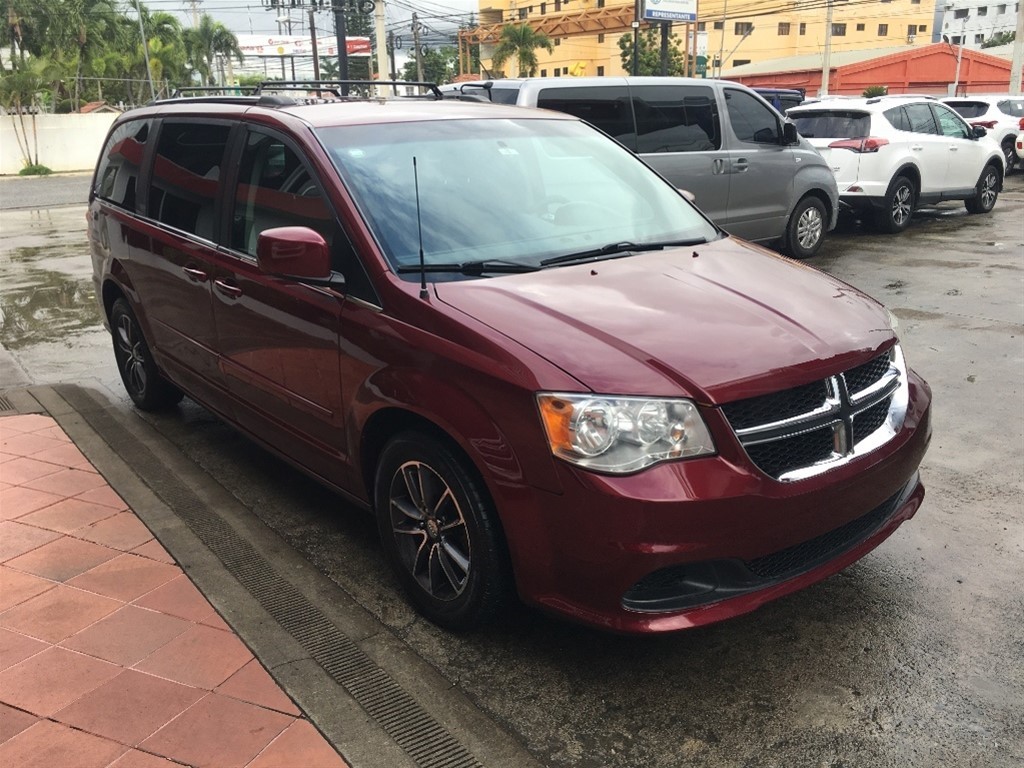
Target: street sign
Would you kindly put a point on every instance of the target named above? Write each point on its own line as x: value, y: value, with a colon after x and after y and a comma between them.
x: 670, y: 10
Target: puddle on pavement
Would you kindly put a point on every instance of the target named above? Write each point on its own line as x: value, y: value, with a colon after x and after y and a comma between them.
x: 46, y: 291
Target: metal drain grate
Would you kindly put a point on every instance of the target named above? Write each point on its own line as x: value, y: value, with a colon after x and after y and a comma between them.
x: 5, y: 404
x: 425, y: 740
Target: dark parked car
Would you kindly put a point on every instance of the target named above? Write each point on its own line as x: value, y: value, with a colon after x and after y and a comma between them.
x: 544, y: 370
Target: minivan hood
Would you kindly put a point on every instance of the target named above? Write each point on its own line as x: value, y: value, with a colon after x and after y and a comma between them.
x: 718, y: 322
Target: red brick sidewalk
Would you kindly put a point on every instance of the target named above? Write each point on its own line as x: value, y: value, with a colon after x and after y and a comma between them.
x: 109, y: 656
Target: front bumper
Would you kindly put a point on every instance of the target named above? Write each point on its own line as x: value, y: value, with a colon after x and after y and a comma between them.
x: 690, y: 543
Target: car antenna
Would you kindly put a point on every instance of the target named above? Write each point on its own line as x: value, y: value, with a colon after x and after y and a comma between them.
x: 419, y: 230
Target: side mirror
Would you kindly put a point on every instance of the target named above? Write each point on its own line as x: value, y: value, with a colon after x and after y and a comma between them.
x: 789, y: 134
x: 688, y: 195
x: 979, y: 131
x: 299, y: 253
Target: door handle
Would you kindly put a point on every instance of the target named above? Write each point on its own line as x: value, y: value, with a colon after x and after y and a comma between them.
x: 741, y: 165
x: 195, y: 275
x: 953, y: 148
x: 232, y: 291
x: 916, y: 147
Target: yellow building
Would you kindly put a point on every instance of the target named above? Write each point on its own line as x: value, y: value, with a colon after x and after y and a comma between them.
x: 586, y: 32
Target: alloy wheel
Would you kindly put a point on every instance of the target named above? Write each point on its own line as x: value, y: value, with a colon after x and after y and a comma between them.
x: 132, y: 354
x: 809, y: 228
x: 430, y: 530
x: 988, y: 190
x: 901, y: 204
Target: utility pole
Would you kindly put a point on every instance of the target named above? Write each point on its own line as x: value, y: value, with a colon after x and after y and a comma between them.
x: 826, y: 64
x: 393, y: 72
x: 341, y: 33
x: 381, y: 40
x: 960, y: 56
x: 721, y: 44
x: 195, y: 11
x: 312, y: 42
x: 665, y: 29
x: 636, y: 37
x: 1018, y: 55
x: 416, y: 46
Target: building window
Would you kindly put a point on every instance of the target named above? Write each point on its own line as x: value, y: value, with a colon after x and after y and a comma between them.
x: 983, y: 10
x: 911, y: 30
x: 718, y: 25
x: 600, y: 71
x: 701, y: 26
x: 543, y: 73
x: 523, y: 13
x: 783, y: 27
x: 558, y: 41
x: 860, y: 27
x: 558, y: 71
x: 740, y: 62
x: 1000, y: 10
x: 743, y: 28
x: 600, y: 38
x: 922, y: 28
x: 979, y: 39
x: 883, y: 30
x: 543, y: 8
x: 955, y: 39
x: 839, y: 30
x: 803, y: 28
x: 558, y: 5
x: 960, y: 13
x: 600, y: 3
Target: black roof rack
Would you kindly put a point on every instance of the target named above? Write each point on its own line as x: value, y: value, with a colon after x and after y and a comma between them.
x: 267, y: 93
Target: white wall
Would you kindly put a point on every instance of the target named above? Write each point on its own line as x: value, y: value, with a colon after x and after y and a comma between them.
x: 66, y: 142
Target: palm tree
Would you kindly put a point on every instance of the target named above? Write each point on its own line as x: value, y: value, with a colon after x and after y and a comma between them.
x: 521, y: 41
x: 207, y: 41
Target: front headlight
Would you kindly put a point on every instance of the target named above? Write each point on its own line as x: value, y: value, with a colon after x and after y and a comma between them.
x: 622, y: 434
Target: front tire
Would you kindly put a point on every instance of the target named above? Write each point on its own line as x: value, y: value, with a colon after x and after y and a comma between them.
x: 805, y: 231
x: 899, y: 206
x: 145, y: 385
x: 987, y: 192
x: 1009, y: 155
x: 440, y: 532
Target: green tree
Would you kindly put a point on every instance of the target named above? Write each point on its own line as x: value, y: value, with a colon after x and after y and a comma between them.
x: 1001, y: 38
x: 203, y: 44
x: 439, y: 66
x: 521, y: 41
x: 650, y: 54
x: 20, y: 93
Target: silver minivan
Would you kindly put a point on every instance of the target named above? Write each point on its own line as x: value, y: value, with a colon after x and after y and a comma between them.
x: 750, y: 170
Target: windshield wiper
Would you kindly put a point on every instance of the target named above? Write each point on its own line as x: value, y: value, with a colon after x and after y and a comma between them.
x: 612, y: 249
x: 472, y: 268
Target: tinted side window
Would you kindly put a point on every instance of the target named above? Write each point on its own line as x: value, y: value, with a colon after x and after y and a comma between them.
x: 606, y: 108
x: 676, y: 118
x: 1012, y: 107
x: 276, y: 189
x: 921, y: 120
x: 898, y: 117
x: 751, y: 120
x: 117, y: 178
x: 186, y: 172
x: 502, y: 95
x: 949, y: 123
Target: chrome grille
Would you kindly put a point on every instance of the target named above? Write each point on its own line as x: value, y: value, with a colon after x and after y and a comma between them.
x: 807, y: 430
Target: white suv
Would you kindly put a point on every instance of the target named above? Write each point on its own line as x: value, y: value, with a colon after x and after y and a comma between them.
x: 892, y: 154
x: 1000, y: 115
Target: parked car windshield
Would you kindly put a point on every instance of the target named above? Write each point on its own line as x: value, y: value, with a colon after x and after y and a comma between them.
x: 515, y: 191
x: 830, y: 124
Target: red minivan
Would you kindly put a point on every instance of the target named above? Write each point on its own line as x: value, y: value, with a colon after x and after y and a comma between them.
x: 544, y: 370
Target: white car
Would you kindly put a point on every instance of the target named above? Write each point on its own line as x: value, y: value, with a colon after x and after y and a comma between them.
x: 891, y: 154
x: 1000, y: 115
x: 1019, y: 145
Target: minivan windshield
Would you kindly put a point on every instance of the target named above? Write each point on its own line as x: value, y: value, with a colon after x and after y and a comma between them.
x: 515, y: 192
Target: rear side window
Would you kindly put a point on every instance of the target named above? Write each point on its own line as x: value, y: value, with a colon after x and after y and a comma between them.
x: 751, y: 119
x: 970, y: 109
x: 606, y: 108
x: 898, y: 117
x: 1012, y: 107
x: 676, y: 119
x: 186, y: 172
x: 921, y: 120
x: 117, y: 178
x: 829, y: 124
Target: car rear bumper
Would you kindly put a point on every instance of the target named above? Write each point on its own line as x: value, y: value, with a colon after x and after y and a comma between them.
x: 691, y: 543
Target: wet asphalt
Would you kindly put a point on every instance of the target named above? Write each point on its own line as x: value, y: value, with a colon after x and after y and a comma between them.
x: 911, y: 657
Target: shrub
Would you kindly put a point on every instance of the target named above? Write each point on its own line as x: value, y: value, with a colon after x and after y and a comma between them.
x: 875, y: 90
x: 35, y: 170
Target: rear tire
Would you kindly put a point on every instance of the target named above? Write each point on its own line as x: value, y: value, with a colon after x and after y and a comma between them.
x: 895, y: 216
x: 987, y: 192
x: 440, y: 532
x: 145, y: 385
x: 1010, y: 154
x: 805, y: 231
